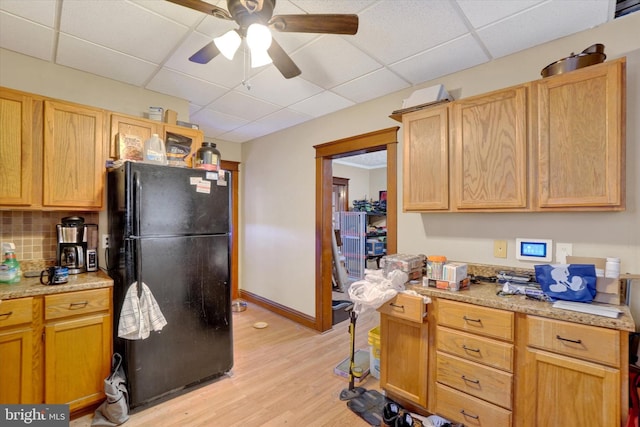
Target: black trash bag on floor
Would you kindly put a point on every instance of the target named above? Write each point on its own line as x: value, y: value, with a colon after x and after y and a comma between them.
x: 115, y: 409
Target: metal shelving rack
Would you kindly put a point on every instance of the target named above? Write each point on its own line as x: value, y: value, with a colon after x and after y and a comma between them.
x: 353, y: 232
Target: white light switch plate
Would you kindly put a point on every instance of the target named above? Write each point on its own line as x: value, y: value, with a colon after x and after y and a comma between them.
x: 563, y: 250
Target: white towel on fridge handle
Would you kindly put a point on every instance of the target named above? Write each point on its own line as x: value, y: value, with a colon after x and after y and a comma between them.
x: 139, y: 316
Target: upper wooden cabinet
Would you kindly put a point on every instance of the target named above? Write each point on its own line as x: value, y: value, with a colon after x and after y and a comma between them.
x: 144, y: 128
x: 555, y: 144
x: 580, y: 134
x: 74, y: 156
x: 51, y: 153
x: 135, y: 126
x: 16, y: 148
x: 426, y: 160
x: 490, y: 151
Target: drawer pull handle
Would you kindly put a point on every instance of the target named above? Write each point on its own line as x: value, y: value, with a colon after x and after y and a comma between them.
x: 475, y: 350
x: 567, y: 339
x: 469, y: 380
x: 401, y: 307
x: 468, y: 319
x: 464, y: 414
x: 7, y: 314
x: 77, y: 305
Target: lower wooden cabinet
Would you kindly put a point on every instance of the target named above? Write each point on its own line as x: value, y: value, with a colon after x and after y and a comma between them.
x: 404, y: 348
x: 56, y: 348
x: 483, y: 366
x: 572, y: 375
x: 16, y: 346
x: 77, y: 347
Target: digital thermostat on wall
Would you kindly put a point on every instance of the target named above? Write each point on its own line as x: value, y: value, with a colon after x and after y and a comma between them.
x: 534, y: 250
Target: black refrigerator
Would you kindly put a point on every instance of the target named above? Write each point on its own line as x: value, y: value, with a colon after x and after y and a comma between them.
x: 169, y: 228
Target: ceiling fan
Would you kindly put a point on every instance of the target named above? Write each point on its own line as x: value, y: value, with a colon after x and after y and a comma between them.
x: 263, y: 48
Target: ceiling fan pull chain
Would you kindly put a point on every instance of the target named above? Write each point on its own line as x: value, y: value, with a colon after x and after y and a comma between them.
x: 245, y: 70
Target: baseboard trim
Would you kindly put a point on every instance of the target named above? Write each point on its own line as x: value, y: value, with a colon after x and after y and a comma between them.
x: 296, y: 316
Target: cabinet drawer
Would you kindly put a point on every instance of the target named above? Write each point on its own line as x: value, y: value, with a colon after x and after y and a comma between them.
x: 74, y: 303
x: 16, y: 311
x: 582, y: 341
x: 468, y: 410
x: 478, y: 349
x: 480, y: 381
x: 486, y: 321
x: 403, y: 306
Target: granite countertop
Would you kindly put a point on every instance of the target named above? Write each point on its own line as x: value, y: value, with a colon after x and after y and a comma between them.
x: 485, y: 294
x: 31, y: 286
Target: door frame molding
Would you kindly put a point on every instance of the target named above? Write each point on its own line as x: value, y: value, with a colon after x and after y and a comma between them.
x: 384, y: 139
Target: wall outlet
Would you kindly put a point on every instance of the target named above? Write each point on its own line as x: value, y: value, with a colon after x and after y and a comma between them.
x: 105, y: 241
x: 500, y: 248
x: 563, y: 250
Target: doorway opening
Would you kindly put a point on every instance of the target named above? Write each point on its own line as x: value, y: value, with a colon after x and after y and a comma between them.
x: 385, y: 139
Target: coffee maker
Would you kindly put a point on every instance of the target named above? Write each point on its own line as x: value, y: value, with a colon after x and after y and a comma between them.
x: 72, y: 244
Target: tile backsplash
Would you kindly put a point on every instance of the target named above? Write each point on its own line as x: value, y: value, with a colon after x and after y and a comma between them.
x: 34, y: 233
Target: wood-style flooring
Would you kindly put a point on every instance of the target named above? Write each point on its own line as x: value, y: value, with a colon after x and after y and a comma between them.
x: 282, y: 376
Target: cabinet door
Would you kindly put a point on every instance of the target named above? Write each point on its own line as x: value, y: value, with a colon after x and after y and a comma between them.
x: 490, y: 151
x: 425, y: 183
x: 580, y: 138
x: 16, y: 148
x: 125, y: 125
x: 562, y: 391
x: 403, y: 358
x: 195, y: 135
x: 77, y: 360
x: 73, y: 156
x: 16, y: 365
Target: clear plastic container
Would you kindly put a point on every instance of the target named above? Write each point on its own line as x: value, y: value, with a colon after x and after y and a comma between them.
x: 10, y: 271
x: 154, y: 150
x: 207, y: 157
x: 435, y: 265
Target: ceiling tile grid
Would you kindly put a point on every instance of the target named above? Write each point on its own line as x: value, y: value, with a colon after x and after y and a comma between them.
x: 399, y: 44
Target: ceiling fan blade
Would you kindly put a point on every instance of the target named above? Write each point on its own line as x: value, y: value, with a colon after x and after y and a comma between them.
x: 282, y: 61
x: 206, y: 54
x: 205, y: 7
x: 316, y: 23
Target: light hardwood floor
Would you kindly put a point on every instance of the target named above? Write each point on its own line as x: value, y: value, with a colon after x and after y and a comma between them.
x: 282, y: 376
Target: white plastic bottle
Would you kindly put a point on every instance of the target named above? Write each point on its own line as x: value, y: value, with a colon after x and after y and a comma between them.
x: 154, y: 150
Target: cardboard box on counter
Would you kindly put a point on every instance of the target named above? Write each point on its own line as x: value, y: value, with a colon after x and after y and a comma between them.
x: 607, y: 289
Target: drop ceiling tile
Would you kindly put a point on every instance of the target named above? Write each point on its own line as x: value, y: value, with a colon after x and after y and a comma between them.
x: 243, y: 106
x: 279, y: 120
x: 214, y: 123
x: 42, y: 11
x: 329, y: 61
x: 175, y: 12
x: 269, y: 85
x: 330, y: 6
x: 321, y: 104
x: 98, y: 60
x: 186, y: 87
x: 481, y: 13
x: 26, y: 37
x: 442, y: 60
x: 372, y: 85
x: 546, y: 22
x: 388, y: 33
x: 122, y: 26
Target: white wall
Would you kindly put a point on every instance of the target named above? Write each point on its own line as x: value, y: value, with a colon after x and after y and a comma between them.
x: 278, y: 247
x: 358, y: 181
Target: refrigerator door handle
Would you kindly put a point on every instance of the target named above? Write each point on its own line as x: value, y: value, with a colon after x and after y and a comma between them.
x: 138, y: 198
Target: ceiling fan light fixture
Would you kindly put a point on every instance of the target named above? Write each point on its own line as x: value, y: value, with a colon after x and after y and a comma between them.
x: 260, y: 57
x: 258, y: 37
x: 228, y: 43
